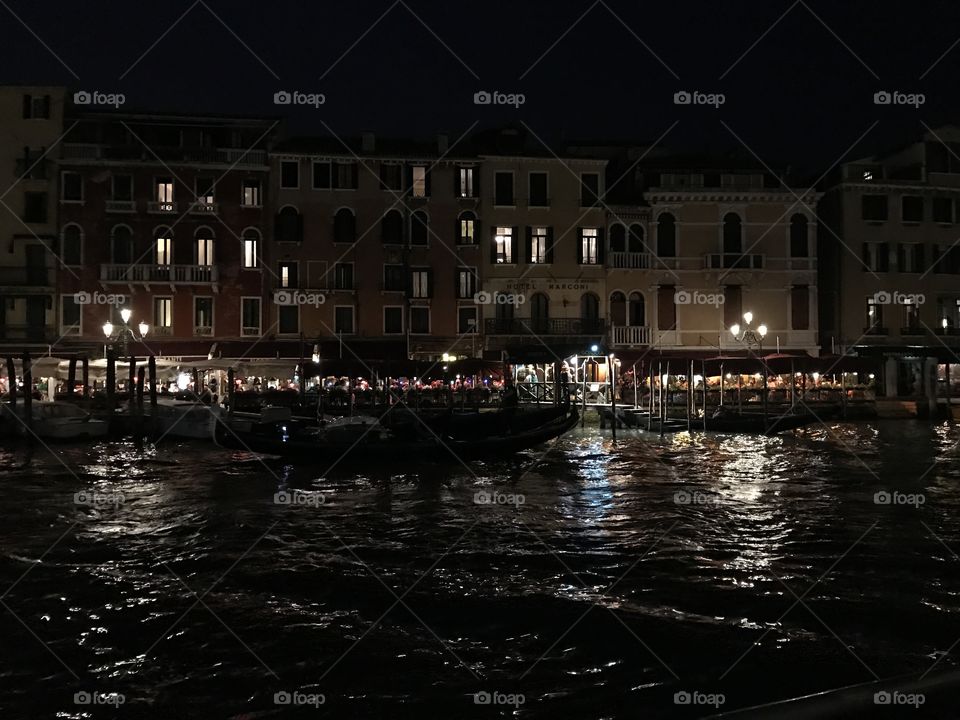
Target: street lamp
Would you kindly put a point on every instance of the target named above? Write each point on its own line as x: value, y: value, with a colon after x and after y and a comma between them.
x: 124, y: 334
x: 747, y: 335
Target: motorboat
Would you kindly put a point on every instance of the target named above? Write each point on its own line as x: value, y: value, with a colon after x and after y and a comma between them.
x: 54, y: 420
x: 189, y: 419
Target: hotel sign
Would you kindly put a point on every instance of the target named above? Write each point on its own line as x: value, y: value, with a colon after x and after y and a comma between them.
x: 551, y: 284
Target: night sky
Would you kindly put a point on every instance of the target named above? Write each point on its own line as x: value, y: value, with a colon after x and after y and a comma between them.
x: 799, y: 95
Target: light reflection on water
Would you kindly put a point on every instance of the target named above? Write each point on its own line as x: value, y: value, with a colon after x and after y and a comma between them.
x: 289, y: 590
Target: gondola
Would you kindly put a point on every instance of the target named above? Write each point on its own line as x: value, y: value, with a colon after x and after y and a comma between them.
x: 384, y: 440
x: 727, y: 422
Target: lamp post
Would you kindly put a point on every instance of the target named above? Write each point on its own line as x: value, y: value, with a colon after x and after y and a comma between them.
x: 124, y: 334
x: 750, y: 338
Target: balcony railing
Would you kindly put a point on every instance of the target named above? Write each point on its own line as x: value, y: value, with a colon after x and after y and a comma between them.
x: 543, y: 326
x: 629, y: 260
x: 629, y: 335
x: 202, y: 330
x: 93, y: 151
x: 30, y: 333
x: 161, y: 206
x: 739, y: 261
x: 168, y: 274
x: 121, y: 206
x: 25, y: 277
x: 203, y: 208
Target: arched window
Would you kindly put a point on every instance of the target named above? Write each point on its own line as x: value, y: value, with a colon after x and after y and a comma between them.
x: 539, y: 313
x: 732, y: 234
x: 799, y: 242
x: 589, y: 308
x: 666, y: 235
x: 391, y: 228
x: 163, y: 246
x: 635, y: 241
x: 418, y: 228
x: 121, y: 245
x: 203, y: 246
x: 618, y: 234
x: 71, y: 245
x: 289, y: 226
x: 618, y: 309
x: 467, y: 228
x: 344, y: 226
x: 637, y: 311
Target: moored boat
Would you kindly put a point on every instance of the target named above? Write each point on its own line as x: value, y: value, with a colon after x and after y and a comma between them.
x: 187, y: 419
x: 54, y: 420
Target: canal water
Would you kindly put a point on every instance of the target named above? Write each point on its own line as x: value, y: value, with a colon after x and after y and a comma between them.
x: 599, y: 579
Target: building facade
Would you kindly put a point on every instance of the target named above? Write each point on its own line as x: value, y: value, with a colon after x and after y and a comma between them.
x: 891, y: 262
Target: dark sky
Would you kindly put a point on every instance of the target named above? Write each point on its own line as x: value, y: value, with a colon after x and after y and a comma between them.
x: 802, y: 95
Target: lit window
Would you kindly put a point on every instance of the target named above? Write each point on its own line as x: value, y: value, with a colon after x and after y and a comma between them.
x: 503, y: 245
x: 538, y: 245
x: 419, y: 181
x: 588, y: 246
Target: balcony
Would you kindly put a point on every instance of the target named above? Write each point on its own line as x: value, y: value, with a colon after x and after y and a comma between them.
x: 629, y: 335
x: 543, y: 326
x: 166, y: 274
x: 738, y: 261
x: 203, y: 331
x: 629, y: 260
x: 161, y: 207
x: 29, y: 333
x: 121, y: 206
x: 137, y: 152
x: 203, y: 208
x: 26, y: 277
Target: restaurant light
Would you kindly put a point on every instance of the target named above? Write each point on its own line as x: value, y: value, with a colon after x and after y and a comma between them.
x: 108, y: 328
x: 748, y: 317
x: 315, y: 357
x: 762, y: 330
x: 125, y: 314
x: 944, y: 323
x: 594, y: 349
x: 183, y: 381
x: 735, y: 329
x: 816, y: 376
x: 143, y: 327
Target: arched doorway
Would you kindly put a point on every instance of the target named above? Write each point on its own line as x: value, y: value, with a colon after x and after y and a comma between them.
x: 539, y: 313
x: 589, y: 313
x: 618, y: 309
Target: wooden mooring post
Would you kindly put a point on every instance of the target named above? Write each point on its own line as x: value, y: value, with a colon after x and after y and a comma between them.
x: 28, y: 393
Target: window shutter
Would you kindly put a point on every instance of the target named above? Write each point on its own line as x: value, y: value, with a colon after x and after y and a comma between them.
x: 920, y: 259
x: 299, y: 228
x: 514, y: 243
x: 601, y: 245
x: 407, y: 178
x: 866, y: 256
x: 430, y: 283
x: 884, y: 257
x: 493, y: 245
x: 579, y: 246
x: 456, y: 281
x: 528, y: 245
x: 26, y: 107
x: 800, y: 307
x: 277, y: 227
x: 477, y: 237
x: 426, y: 183
x: 456, y: 182
x: 901, y: 257
x: 550, y: 244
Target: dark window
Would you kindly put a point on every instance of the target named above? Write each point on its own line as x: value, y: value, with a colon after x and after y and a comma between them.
x: 203, y: 316
x: 250, y: 312
x: 343, y: 319
x: 503, y: 188
x: 123, y: 188
x: 391, y: 228
x: 667, y: 309
x: 394, y: 277
x: 72, y: 245
x: 205, y: 187
x: 799, y: 243
x: 418, y: 229
x: 420, y: 320
x: 538, y: 189
x: 71, y: 186
x: 589, y: 189
x: 36, y: 107
x: 288, y: 319
x: 874, y: 208
x: 391, y: 176
x: 666, y: 236
x: 344, y: 226
x: 911, y: 208
x: 943, y: 210
x: 618, y: 238
x: 69, y: 312
x: 343, y: 276
x: 874, y: 315
x: 122, y: 245
x: 345, y: 176
x: 392, y: 320
x: 289, y: 225
x: 800, y: 307
x: 290, y: 174
x: 589, y: 311
x: 466, y: 320
x: 636, y: 239
x: 321, y: 176
x: 732, y: 305
x: 732, y: 236
x: 35, y: 207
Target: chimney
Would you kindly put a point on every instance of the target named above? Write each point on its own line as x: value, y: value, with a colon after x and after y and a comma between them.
x: 367, y: 142
x: 443, y: 143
